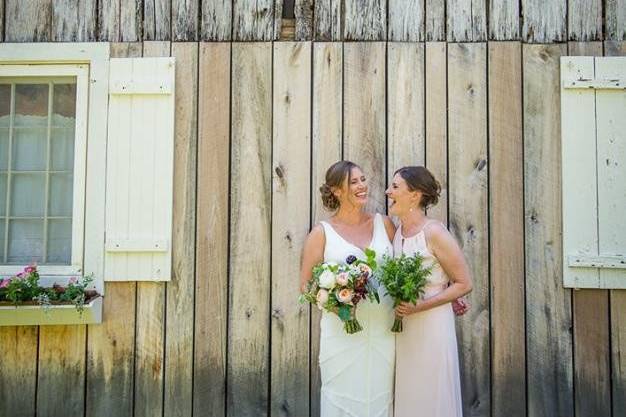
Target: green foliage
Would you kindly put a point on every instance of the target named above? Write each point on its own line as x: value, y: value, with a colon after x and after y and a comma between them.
x: 404, y: 278
x: 22, y: 287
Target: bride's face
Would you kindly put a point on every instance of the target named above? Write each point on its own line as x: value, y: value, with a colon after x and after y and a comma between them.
x: 401, y: 198
x: 354, y: 191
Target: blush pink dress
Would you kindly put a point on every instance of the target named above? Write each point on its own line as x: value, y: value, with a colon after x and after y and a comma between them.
x: 427, y: 360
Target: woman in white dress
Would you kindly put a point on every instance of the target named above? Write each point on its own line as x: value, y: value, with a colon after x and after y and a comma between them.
x: 356, y: 369
x: 427, y: 362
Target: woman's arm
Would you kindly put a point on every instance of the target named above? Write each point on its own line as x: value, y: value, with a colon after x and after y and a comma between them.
x: 451, y: 258
x: 312, y: 254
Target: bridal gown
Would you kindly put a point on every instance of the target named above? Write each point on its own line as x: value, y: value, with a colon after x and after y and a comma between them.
x: 357, y: 369
x: 427, y: 360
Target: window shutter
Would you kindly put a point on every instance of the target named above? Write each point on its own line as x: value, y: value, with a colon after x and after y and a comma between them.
x: 140, y: 167
x: 593, y: 105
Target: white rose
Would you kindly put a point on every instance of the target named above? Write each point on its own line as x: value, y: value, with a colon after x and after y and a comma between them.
x: 322, y: 298
x: 343, y: 279
x: 327, y: 280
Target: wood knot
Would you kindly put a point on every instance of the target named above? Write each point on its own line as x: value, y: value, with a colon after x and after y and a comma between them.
x: 248, y: 313
x: 470, y: 89
x: 280, y: 172
x: 533, y: 217
x: 277, y: 313
x: 480, y: 164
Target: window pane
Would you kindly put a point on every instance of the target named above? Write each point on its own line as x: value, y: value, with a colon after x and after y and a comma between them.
x: 60, y: 195
x: 25, y: 241
x: 31, y: 105
x: 5, y: 105
x: 29, y: 149
x: 28, y: 195
x: 62, y: 144
x: 59, y: 241
x: 64, y: 105
x: 4, y: 148
x: 3, y: 195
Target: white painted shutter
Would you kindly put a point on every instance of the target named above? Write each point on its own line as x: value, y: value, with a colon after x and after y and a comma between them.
x: 593, y: 125
x: 140, y: 168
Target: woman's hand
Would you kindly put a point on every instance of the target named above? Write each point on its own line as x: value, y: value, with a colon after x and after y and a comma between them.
x: 406, y: 309
x: 460, y: 306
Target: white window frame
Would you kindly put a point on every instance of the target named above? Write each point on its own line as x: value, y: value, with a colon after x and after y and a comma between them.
x: 90, y: 63
x: 81, y: 73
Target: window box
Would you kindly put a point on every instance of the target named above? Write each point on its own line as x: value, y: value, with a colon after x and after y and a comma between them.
x: 35, y: 314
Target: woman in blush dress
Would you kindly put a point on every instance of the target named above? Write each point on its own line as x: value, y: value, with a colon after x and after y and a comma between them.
x: 356, y: 369
x: 427, y: 362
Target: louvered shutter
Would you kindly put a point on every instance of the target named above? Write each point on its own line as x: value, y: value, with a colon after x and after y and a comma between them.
x: 140, y: 159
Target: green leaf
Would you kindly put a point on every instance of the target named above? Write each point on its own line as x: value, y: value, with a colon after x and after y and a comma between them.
x: 344, y: 313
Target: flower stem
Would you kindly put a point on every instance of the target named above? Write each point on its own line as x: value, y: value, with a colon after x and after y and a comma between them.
x: 397, y: 325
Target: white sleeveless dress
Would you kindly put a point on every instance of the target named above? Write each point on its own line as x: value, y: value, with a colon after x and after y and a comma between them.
x: 357, y: 370
x: 427, y: 361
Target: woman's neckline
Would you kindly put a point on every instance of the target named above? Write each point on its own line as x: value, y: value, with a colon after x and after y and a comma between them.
x: 421, y: 231
x: 353, y: 244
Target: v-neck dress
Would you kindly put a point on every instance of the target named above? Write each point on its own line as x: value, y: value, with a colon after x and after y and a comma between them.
x: 357, y: 370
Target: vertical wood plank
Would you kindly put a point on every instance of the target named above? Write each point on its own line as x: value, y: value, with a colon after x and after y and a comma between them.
x: 327, y: 20
x: 304, y: 19
x: 615, y: 20
x: 61, y: 376
x: 327, y: 145
x: 131, y: 20
x: 405, y: 105
x: 250, y: 231
x: 467, y: 20
x: 185, y: 20
x: 216, y: 20
x: 435, y: 20
x: 592, y: 371
x: 617, y: 306
x: 290, y: 224
x: 584, y: 20
x: 150, y: 318
x: 437, y: 122
x: 27, y: 21
x: 253, y: 21
x: 406, y: 21
x: 108, y: 21
x: 111, y: 344
x: 504, y: 20
x: 73, y: 22
x: 548, y: 304
x: 179, y: 322
x: 544, y: 21
x: 467, y: 153
x: 364, y: 20
x: 364, y: 115
x: 506, y: 220
x: 18, y: 370
x: 209, y: 373
x: 156, y: 20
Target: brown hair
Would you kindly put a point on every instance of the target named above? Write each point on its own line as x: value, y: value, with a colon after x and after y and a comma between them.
x: 420, y: 179
x: 335, y: 176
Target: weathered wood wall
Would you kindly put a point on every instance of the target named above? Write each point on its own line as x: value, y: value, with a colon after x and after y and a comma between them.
x: 256, y: 126
x: 257, y: 123
x: 533, y: 21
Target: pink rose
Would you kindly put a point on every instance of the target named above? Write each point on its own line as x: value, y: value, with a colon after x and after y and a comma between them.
x: 322, y: 298
x: 345, y: 296
x: 343, y: 278
x: 4, y: 283
x: 30, y: 269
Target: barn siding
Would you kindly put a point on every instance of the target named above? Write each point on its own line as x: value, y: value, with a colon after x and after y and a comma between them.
x: 176, y: 348
x: 534, y: 21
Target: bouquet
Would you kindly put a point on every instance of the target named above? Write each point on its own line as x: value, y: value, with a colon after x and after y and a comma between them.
x: 339, y: 288
x: 404, y: 279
